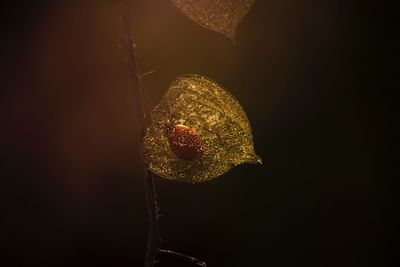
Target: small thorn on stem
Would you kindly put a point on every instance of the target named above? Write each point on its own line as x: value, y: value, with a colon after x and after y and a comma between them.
x: 184, y: 256
x: 143, y: 75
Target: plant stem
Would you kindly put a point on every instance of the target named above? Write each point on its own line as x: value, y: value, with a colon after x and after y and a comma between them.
x: 153, y: 239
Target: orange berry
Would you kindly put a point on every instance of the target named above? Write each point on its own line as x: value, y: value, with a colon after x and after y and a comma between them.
x: 185, y: 142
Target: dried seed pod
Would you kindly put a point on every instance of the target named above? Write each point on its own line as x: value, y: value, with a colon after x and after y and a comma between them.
x: 198, y: 132
x: 222, y: 16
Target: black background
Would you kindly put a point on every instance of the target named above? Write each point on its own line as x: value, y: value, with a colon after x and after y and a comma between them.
x: 314, y: 78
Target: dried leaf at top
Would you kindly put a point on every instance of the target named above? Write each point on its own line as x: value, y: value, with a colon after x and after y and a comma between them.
x: 222, y: 16
x: 198, y: 132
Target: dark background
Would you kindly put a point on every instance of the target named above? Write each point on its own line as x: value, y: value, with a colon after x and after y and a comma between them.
x: 314, y: 79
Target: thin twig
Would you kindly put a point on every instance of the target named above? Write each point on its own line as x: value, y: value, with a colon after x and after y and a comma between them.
x: 192, y: 259
x: 153, y: 239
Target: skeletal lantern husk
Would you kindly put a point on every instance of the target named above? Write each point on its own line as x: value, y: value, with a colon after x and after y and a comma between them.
x: 221, y: 16
x: 198, y: 132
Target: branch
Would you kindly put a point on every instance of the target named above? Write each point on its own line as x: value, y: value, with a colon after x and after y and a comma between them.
x: 153, y: 239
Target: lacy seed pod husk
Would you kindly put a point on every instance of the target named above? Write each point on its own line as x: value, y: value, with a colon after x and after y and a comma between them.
x: 221, y: 16
x: 198, y: 132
